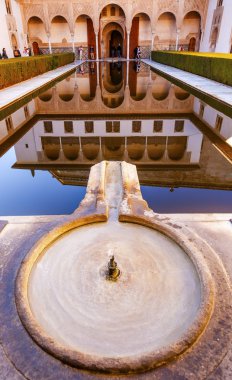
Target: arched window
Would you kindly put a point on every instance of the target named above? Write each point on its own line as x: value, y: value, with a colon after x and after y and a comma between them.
x: 8, y: 6
x: 104, y: 12
x: 112, y: 11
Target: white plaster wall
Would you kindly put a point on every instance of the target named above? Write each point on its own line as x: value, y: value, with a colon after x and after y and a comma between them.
x: 37, y: 31
x: 166, y: 28
x: 190, y: 26
x: 160, y: 88
x: 141, y: 85
x: 25, y: 149
x: 31, y: 107
x: 125, y: 129
x: 66, y: 86
x: 204, y: 46
x: 3, y: 129
x: 80, y: 34
x: 60, y: 31
x: 33, y: 137
x: 22, y: 38
x: 210, y: 116
x: 18, y: 117
x: 224, y: 39
x: 144, y: 29
x: 194, y: 146
x: 4, y: 35
x: 83, y: 85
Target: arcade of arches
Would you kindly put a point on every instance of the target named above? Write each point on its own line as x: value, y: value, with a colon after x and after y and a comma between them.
x: 50, y: 27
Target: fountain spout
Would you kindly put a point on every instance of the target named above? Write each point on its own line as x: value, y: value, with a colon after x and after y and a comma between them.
x: 113, y: 272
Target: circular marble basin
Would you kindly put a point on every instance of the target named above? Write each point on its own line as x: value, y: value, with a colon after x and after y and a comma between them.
x: 133, y: 324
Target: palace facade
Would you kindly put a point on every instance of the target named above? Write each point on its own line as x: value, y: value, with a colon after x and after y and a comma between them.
x: 57, y: 26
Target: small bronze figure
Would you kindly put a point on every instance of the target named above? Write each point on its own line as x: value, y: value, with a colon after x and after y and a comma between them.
x: 113, y: 272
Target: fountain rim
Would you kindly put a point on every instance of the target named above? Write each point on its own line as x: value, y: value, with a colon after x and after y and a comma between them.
x: 133, y: 363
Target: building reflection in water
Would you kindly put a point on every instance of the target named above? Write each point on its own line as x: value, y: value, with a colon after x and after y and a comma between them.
x: 116, y: 111
x: 167, y: 152
x: 103, y: 88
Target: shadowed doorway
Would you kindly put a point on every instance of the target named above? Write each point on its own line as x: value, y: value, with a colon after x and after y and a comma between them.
x: 115, y: 41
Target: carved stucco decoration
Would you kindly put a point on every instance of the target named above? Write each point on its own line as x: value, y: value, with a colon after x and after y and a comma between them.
x: 194, y: 5
x: 142, y: 7
x: 168, y: 6
x: 122, y: 4
x: 86, y: 8
x: 59, y: 9
x: 34, y: 10
x: 118, y: 21
x: 11, y: 24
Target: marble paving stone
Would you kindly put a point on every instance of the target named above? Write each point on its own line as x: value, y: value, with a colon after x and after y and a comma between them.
x: 12, y: 93
x: 210, y: 87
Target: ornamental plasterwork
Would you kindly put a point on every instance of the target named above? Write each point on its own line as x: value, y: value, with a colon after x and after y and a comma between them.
x: 122, y: 4
x: 11, y: 24
x: 142, y: 7
x: 118, y: 21
x: 58, y: 9
x: 86, y: 8
x: 168, y: 6
x: 196, y: 5
x: 31, y: 10
x: 137, y: 10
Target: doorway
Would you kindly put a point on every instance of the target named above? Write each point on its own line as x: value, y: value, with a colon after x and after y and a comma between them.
x: 35, y: 48
x: 115, y: 41
x: 112, y: 37
x: 192, y: 44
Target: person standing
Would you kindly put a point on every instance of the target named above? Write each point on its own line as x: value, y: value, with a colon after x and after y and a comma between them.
x: 119, y: 50
x: 16, y: 52
x: 25, y: 52
x: 113, y: 51
x: 4, y: 55
x: 91, y: 51
x: 138, y: 52
x: 80, y: 52
x: 135, y: 52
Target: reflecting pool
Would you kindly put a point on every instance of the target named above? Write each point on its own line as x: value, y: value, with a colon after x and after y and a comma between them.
x: 115, y: 111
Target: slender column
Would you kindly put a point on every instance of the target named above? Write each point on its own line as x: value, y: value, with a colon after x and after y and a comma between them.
x: 73, y: 45
x: 49, y: 43
x: 177, y: 38
x: 128, y: 46
x: 152, y: 42
x: 97, y: 54
x: 127, y: 73
x: 98, y: 74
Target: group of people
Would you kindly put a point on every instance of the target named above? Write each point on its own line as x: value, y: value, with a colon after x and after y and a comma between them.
x: 16, y: 52
x: 91, y: 52
x: 137, y: 52
x: 3, y: 55
x: 116, y: 52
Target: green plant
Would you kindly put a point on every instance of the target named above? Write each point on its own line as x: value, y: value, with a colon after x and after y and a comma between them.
x: 15, y: 70
x: 215, y: 66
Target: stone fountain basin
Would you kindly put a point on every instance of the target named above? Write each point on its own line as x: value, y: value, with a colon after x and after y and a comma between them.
x: 156, y: 309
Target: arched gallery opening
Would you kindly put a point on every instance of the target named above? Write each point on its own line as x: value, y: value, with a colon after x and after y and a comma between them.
x: 191, y: 30
x: 140, y: 35
x: 37, y: 34
x: 112, y: 34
